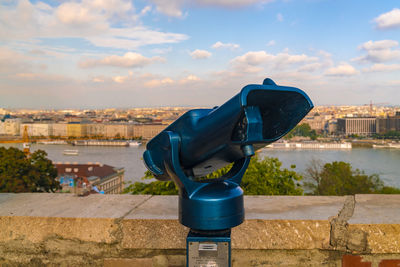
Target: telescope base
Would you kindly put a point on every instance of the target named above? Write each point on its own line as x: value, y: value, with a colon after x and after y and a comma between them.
x: 208, y: 248
x: 214, y: 207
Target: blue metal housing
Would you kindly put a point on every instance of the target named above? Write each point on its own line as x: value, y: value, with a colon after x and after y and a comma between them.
x: 204, y: 140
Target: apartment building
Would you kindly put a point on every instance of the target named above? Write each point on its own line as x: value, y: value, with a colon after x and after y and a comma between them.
x: 90, y: 176
x: 363, y: 126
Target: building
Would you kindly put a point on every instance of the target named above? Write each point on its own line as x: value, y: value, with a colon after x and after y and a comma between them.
x: 147, y: 131
x: 96, y: 130
x: 388, y: 124
x: 11, y: 127
x: 76, y: 129
x: 363, y: 126
x: 316, y: 123
x: 118, y: 131
x: 91, y: 175
x: 37, y: 129
x: 59, y: 130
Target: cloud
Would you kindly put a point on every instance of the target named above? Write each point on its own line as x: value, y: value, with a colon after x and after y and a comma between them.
x: 271, y: 43
x: 91, y: 20
x: 173, y: 8
x: 255, y: 61
x: 279, y: 17
x: 128, y: 60
x: 379, y: 51
x: 99, y: 79
x: 29, y: 76
x: 382, y: 68
x: 388, y: 20
x: 189, y: 79
x: 344, y: 69
x: 378, y: 45
x: 393, y: 83
x: 200, y: 54
x: 158, y: 82
x: 219, y: 45
x: 311, y: 67
x: 231, y: 3
x: 170, y: 8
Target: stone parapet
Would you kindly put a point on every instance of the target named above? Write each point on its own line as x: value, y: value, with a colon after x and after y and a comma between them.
x: 141, y: 230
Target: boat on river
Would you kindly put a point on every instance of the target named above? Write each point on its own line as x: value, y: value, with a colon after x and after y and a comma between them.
x: 134, y: 143
x: 71, y: 152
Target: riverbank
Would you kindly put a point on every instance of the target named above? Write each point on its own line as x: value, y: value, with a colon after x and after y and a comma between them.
x: 384, y: 162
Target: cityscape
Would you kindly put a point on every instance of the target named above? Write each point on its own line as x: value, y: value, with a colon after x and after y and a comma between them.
x: 145, y: 123
x: 199, y: 133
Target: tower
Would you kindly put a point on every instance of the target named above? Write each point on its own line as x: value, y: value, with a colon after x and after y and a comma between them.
x: 25, y: 139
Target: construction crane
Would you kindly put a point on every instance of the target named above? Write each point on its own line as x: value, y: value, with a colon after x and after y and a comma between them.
x: 25, y: 139
x: 374, y: 104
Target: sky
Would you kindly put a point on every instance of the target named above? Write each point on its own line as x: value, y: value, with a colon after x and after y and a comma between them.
x: 122, y: 54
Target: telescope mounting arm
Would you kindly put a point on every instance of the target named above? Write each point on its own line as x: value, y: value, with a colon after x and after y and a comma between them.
x: 175, y: 171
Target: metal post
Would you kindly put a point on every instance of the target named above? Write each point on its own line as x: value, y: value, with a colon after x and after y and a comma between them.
x: 208, y: 248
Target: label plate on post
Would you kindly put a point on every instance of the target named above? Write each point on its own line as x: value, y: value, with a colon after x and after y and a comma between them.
x: 208, y: 254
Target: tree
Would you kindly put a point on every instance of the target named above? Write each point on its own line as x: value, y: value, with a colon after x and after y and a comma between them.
x: 263, y: 177
x: 339, y: 178
x: 19, y: 173
x: 152, y: 188
x: 304, y: 130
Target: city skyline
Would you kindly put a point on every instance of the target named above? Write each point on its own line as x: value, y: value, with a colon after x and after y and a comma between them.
x: 101, y: 54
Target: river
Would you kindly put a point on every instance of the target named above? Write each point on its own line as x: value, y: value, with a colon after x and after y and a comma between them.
x: 385, y: 162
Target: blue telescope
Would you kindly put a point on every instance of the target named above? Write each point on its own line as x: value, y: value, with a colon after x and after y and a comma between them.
x: 204, y: 140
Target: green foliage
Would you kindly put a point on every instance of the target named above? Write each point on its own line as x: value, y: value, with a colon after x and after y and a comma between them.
x: 263, y: 177
x: 304, y: 130
x: 152, y: 188
x: 388, y: 190
x: 339, y: 178
x: 21, y: 174
x: 388, y: 135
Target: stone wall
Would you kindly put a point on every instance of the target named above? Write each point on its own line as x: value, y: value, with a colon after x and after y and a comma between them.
x: 127, y: 230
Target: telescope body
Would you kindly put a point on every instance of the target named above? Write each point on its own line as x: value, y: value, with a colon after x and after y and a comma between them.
x: 204, y: 140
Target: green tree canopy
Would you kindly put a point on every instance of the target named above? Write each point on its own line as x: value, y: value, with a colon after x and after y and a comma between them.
x: 19, y: 173
x: 263, y: 177
x: 339, y: 178
x: 304, y: 130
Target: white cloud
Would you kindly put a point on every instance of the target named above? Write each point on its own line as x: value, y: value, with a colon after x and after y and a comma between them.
x: 231, y: 3
x: 159, y: 82
x: 378, y: 45
x: 219, y: 45
x: 271, y: 43
x: 279, y: 17
x: 388, y: 20
x: 379, y: 51
x: 255, y: 61
x: 393, y: 83
x: 382, y: 68
x: 92, y: 20
x: 128, y: 60
x: 170, y: 8
x: 344, y: 69
x: 200, y: 54
x: 311, y: 67
x: 123, y: 79
x: 189, y: 79
x: 98, y: 79
x: 173, y: 8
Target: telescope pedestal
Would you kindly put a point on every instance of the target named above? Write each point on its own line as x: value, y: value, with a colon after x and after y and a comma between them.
x: 208, y: 248
x: 214, y: 206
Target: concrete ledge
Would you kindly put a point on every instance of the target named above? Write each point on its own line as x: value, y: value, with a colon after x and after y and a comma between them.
x: 99, y: 230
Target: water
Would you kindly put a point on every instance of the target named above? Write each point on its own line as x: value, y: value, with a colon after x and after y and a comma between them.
x: 129, y: 158
x: 385, y: 162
